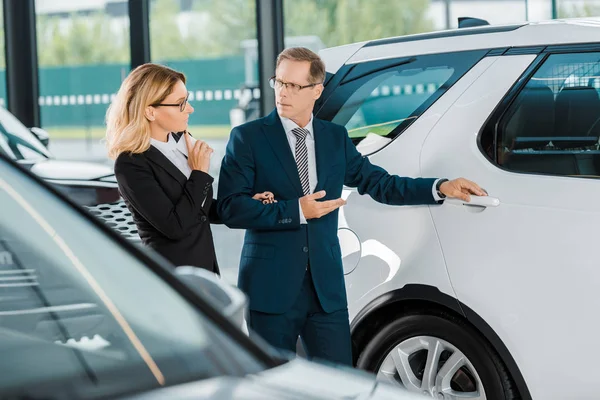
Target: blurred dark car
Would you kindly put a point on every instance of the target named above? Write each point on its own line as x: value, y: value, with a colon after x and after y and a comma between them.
x: 86, y: 183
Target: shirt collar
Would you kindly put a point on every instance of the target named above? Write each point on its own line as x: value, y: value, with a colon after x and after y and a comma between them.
x: 288, y: 125
x: 170, y: 144
x: 181, y: 145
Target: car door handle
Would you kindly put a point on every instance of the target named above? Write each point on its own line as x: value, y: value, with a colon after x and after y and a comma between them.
x: 476, y: 201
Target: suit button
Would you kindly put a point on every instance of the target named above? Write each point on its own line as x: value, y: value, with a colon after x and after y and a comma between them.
x: 203, y: 218
x: 305, y: 249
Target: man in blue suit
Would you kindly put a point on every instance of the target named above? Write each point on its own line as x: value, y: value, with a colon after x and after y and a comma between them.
x: 291, y: 264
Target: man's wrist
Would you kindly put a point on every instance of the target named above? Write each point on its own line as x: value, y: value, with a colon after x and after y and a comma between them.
x: 437, y: 188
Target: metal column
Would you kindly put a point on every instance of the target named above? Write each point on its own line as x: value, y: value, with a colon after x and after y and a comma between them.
x: 448, y: 14
x: 269, y: 24
x: 21, y: 61
x: 139, y: 32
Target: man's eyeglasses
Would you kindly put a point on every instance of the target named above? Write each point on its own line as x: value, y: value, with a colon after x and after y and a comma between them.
x: 291, y: 87
x: 181, y: 105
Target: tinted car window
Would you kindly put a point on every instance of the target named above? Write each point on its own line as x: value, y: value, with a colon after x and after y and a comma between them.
x: 81, y: 317
x: 378, y: 106
x: 553, y: 125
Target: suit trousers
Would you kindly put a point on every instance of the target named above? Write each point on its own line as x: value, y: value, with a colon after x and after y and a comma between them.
x: 325, y: 336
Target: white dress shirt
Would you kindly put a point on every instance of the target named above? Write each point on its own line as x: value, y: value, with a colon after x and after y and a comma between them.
x: 176, y: 152
x: 435, y: 195
x: 288, y: 125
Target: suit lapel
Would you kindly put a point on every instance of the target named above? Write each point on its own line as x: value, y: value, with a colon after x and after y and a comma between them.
x: 322, y: 153
x: 154, y: 155
x: 277, y: 139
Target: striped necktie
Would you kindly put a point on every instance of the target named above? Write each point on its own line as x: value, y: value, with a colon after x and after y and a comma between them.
x: 302, y: 158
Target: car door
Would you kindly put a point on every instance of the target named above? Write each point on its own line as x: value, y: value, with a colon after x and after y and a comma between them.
x: 527, y: 131
x: 388, y: 107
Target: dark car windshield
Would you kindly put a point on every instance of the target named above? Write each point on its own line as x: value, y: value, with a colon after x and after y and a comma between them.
x: 82, y: 316
x: 17, y: 141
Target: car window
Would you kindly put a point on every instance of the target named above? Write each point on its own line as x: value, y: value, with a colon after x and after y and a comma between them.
x: 553, y: 125
x: 377, y: 107
x: 81, y: 317
x: 22, y: 143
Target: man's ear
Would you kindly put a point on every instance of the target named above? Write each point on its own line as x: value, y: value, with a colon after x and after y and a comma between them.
x: 318, y: 91
x: 149, y: 113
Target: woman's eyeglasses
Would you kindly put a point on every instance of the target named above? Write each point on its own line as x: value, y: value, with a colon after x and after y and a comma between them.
x: 181, y: 105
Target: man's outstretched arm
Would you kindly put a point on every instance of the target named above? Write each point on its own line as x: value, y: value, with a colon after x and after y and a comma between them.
x: 395, y: 190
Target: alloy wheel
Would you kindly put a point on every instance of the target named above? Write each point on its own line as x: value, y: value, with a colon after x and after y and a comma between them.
x: 432, y: 366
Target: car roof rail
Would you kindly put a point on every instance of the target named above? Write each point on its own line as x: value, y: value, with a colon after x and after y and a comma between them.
x: 470, y: 22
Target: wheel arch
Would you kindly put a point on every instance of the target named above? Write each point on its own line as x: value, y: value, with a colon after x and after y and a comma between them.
x: 418, y: 297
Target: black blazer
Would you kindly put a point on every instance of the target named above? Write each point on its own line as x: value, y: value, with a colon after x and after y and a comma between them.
x: 172, y: 213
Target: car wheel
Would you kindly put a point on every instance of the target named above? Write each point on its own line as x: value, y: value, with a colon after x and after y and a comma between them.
x: 438, y: 355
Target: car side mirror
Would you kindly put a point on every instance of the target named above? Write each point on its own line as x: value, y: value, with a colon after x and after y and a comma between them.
x: 230, y: 300
x: 41, y: 135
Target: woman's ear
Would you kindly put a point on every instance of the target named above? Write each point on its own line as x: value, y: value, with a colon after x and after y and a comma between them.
x: 149, y: 113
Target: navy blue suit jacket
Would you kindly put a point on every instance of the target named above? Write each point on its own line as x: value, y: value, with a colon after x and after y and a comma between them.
x: 277, y: 248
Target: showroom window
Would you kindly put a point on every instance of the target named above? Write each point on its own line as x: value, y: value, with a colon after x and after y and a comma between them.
x: 84, y: 55
x: 213, y: 42
x: 553, y: 125
x: 376, y: 101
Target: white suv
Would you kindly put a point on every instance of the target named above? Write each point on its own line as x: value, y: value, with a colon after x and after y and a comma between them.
x: 492, y: 299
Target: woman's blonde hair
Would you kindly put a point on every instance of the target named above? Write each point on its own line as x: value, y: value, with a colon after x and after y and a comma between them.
x: 127, y: 129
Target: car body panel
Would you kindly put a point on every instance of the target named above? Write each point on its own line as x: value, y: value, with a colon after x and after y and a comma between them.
x: 405, y: 247
x: 533, y: 34
x: 502, y: 261
x: 71, y: 170
x: 337, y: 56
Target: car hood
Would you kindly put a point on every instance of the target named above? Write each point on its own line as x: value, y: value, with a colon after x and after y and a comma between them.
x: 71, y: 170
x: 314, y: 379
x: 296, y: 380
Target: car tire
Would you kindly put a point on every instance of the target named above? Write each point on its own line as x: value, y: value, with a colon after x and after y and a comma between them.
x: 451, y: 337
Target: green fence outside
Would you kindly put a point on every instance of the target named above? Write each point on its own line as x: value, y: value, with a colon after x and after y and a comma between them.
x: 77, y: 97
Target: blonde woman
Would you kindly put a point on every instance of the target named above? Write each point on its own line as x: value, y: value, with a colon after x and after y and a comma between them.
x: 162, y: 175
